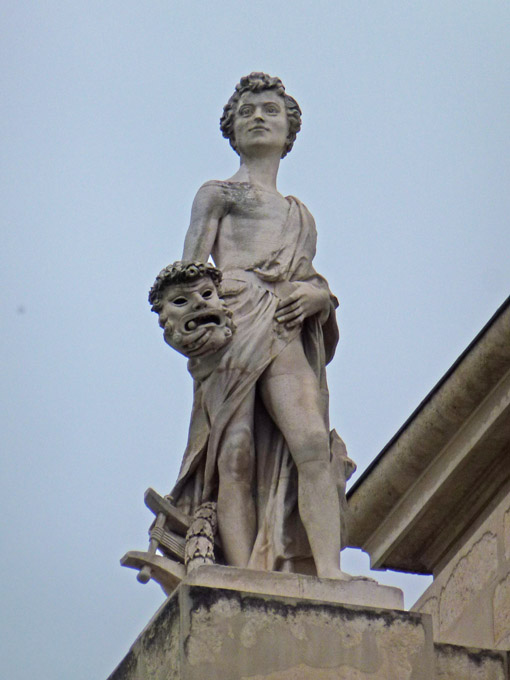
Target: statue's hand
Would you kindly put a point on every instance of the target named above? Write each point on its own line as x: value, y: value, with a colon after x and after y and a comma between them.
x: 192, y: 344
x: 305, y: 300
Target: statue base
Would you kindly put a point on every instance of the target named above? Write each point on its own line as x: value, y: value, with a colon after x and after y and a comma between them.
x: 359, y: 590
x: 219, y: 624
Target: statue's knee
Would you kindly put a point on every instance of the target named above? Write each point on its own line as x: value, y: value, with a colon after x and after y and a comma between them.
x: 236, y: 457
x: 314, y: 446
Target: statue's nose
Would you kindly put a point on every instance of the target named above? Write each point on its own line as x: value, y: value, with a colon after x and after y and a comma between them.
x: 198, y: 301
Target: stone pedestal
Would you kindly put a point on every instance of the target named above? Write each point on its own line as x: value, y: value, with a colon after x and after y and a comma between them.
x: 230, y: 630
x: 466, y: 663
x: 359, y: 591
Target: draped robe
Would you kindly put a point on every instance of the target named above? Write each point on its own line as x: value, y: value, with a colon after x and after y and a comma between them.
x: 223, y: 381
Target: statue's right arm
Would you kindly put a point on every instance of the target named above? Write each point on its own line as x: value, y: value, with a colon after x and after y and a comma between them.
x: 207, y: 210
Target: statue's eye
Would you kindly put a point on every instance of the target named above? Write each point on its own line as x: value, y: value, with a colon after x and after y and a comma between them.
x: 180, y: 301
x: 272, y: 108
x: 207, y: 294
x: 245, y: 110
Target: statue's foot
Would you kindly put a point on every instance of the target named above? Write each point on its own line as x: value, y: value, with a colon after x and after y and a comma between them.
x: 340, y: 575
x: 364, y: 578
x: 335, y: 573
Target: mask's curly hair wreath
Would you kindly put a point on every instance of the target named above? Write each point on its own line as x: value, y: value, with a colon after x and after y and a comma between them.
x: 258, y: 82
x: 180, y: 272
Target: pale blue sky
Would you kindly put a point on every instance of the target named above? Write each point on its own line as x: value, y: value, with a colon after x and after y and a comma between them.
x: 110, y: 124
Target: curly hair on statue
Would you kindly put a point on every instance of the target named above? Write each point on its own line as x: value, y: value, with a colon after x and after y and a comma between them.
x: 180, y: 272
x: 258, y: 82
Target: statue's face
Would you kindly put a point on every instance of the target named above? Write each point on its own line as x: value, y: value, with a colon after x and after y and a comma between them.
x: 194, y: 318
x: 260, y: 122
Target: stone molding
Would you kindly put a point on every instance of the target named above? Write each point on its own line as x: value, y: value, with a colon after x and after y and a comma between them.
x: 437, y: 476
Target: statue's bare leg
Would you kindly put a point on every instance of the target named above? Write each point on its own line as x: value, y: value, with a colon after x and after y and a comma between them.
x: 236, y: 507
x: 291, y: 394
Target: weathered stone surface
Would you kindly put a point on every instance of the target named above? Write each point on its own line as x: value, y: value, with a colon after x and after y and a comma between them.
x: 461, y: 663
x: 358, y: 591
x: 472, y: 587
x: 501, y: 609
x: 155, y: 653
x: 303, y: 672
x: 431, y: 606
x: 229, y: 635
x: 471, y: 573
x: 206, y: 633
x: 506, y: 533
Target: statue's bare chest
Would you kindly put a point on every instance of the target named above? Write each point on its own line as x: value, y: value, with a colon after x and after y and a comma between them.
x: 255, y: 210
x: 252, y: 227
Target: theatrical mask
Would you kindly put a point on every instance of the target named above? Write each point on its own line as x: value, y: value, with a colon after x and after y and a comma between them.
x: 195, y: 320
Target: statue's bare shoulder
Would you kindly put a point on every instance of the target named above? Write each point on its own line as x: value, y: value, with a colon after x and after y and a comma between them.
x: 210, y: 205
x: 212, y: 197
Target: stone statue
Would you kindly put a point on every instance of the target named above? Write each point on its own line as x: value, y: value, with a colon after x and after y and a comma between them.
x: 258, y: 328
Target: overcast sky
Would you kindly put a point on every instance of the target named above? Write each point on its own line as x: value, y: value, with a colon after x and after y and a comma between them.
x: 110, y: 124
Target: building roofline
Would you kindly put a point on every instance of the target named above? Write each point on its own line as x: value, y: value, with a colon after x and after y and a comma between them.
x: 414, y: 415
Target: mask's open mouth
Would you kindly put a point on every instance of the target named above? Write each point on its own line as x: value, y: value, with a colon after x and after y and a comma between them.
x: 203, y: 320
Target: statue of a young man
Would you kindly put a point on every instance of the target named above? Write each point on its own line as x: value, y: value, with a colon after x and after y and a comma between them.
x: 259, y: 441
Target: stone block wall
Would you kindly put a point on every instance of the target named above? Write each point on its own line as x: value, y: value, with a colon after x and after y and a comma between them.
x: 469, y: 600
x: 155, y: 655
x: 461, y: 663
x: 218, y: 634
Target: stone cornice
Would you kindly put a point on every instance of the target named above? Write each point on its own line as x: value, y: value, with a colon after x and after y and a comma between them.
x: 439, y: 472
